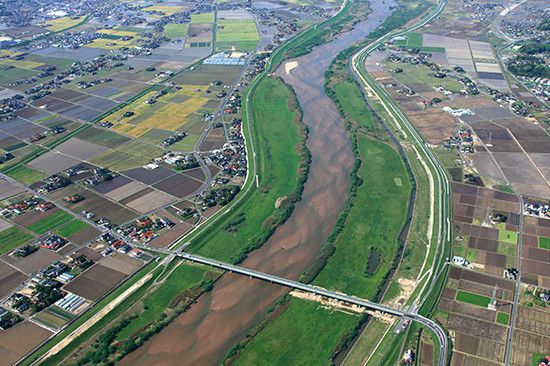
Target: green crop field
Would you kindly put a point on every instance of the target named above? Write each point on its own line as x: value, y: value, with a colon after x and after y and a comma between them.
x: 105, y: 138
x: 183, y: 277
x: 374, y: 221
x: 315, y: 331
x: 49, y: 223
x: 12, y: 238
x: 26, y: 175
x: 54, y: 317
x: 237, y: 30
x: 503, y: 318
x: 544, y: 243
x: 175, y: 30
x: 202, y: 18
x: 474, y: 299
x: 508, y: 236
x: 415, y: 40
x: 71, y: 228
x: 277, y: 162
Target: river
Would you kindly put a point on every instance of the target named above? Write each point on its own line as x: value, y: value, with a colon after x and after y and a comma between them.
x: 220, y: 318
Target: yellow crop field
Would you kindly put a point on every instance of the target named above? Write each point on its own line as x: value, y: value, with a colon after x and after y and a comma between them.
x: 59, y: 24
x: 179, y: 110
x: 4, y: 53
x: 116, y: 32
x: 22, y: 64
x: 163, y: 122
x: 113, y: 44
x: 168, y: 10
x: 131, y: 130
x: 196, y: 101
x: 190, y: 90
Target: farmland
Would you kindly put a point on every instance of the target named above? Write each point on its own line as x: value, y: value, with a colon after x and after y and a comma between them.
x: 12, y: 238
x: 47, y: 224
x: 71, y: 228
x: 240, y: 34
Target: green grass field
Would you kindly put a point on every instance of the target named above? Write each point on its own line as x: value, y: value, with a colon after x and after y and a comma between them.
x: 503, y: 318
x: 415, y: 40
x: 474, y: 299
x: 277, y: 162
x: 238, y: 33
x: 508, y: 236
x: 237, y: 30
x: 544, y: 243
x: 71, y: 228
x: 12, y: 238
x: 54, y: 317
x: 26, y: 175
x: 202, y: 18
x: 375, y: 221
x: 183, y: 277
x: 49, y: 223
x: 420, y: 74
x: 105, y: 138
x: 175, y: 30
x: 315, y: 331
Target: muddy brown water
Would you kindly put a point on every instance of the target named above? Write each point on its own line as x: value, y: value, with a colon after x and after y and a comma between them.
x: 205, y: 333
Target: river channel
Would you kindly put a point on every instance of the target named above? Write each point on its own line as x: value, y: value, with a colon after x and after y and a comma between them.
x: 220, y: 318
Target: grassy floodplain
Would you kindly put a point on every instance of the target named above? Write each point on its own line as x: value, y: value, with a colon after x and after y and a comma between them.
x: 315, y: 332
x: 375, y: 221
x: 277, y: 135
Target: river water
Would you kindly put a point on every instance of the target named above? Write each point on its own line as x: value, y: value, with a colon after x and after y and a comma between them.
x: 205, y: 333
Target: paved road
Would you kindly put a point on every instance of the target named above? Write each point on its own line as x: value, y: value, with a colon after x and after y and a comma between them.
x: 443, y: 186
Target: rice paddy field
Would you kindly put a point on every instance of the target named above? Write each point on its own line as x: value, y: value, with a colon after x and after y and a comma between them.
x: 60, y: 24
x: 236, y: 34
x: 175, y: 30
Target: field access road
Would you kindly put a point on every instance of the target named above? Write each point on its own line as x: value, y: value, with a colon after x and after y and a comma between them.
x: 443, y: 186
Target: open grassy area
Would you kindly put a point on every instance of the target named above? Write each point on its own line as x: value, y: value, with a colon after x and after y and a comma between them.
x: 420, y: 74
x: 315, y: 331
x: 54, y: 317
x: 374, y: 221
x: 277, y: 163
x: 202, y: 18
x: 26, y: 175
x: 12, y: 238
x: 60, y: 24
x: 508, y: 236
x: 49, y: 223
x: 365, y: 344
x: 183, y: 277
x: 71, y: 228
x: 503, y: 318
x: 237, y: 33
x: 175, y: 30
x: 544, y: 243
x: 474, y: 299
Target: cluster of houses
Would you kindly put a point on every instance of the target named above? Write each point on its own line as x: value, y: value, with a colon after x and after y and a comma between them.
x: 173, y: 139
x: 54, y: 182
x: 114, y: 244
x: 53, y: 243
x: 146, y: 229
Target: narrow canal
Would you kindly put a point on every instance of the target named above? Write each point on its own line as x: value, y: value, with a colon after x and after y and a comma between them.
x: 205, y: 333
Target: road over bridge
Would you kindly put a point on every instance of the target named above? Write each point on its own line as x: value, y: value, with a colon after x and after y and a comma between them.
x: 441, y: 335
